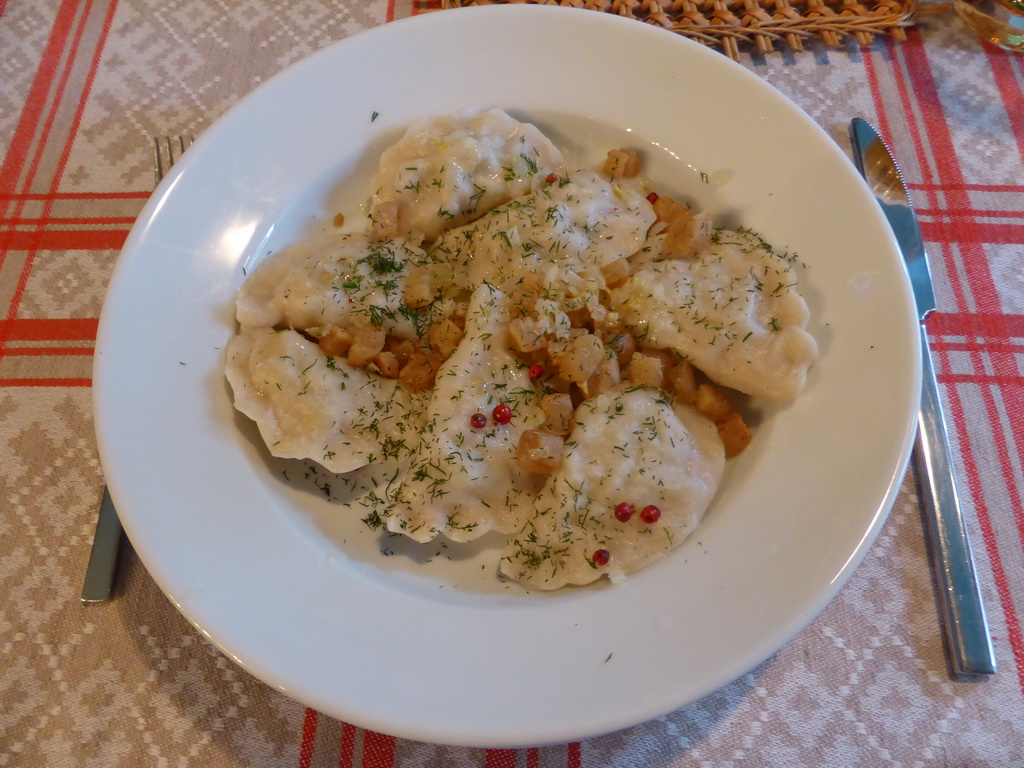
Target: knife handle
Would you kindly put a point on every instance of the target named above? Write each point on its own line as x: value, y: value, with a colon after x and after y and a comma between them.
x: 970, y: 645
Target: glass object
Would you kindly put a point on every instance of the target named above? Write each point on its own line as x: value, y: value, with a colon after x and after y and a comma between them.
x: 1001, y: 22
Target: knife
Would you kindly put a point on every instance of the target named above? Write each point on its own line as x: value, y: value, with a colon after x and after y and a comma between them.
x: 967, y: 633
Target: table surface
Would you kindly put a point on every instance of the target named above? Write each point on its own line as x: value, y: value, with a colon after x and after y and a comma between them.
x: 131, y: 683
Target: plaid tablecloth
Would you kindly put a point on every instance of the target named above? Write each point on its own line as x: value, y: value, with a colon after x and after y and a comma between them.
x: 85, y: 83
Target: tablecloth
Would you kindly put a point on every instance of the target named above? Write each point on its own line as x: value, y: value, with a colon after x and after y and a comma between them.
x: 84, y: 84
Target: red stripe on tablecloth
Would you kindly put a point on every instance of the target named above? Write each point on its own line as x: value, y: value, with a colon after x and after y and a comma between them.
x: 64, y: 240
x: 348, y: 746
x: 998, y: 326
x: 967, y: 231
x: 49, y: 329
x: 982, y: 379
x: 378, y: 750
x: 574, y: 756
x: 42, y: 196
x: 48, y: 352
x: 533, y: 757
x: 45, y: 383
x: 36, y: 102
x: 941, y: 150
x: 308, y: 738
x: 1002, y: 63
x: 390, y: 14
x: 500, y: 758
x: 66, y: 220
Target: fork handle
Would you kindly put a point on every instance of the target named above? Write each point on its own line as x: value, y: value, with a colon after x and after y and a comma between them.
x: 99, y: 573
x: 970, y: 645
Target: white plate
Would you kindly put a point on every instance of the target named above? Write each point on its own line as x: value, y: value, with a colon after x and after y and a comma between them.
x: 312, y: 602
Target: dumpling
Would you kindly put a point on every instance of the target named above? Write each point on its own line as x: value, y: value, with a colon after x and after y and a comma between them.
x: 309, y: 405
x: 733, y: 310
x: 445, y: 171
x: 464, y: 481
x: 582, y: 219
x: 629, y: 445
x: 336, y: 279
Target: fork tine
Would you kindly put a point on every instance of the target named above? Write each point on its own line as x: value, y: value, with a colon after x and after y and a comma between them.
x: 166, y: 150
x: 158, y: 165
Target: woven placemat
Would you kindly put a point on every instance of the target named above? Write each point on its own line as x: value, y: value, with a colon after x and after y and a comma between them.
x: 764, y: 24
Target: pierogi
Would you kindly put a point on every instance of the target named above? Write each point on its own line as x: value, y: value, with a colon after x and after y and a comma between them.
x: 445, y: 171
x: 582, y: 219
x: 463, y: 481
x: 310, y: 405
x: 331, y: 280
x: 539, y: 351
x: 732, y: 310
x: 629, y: 443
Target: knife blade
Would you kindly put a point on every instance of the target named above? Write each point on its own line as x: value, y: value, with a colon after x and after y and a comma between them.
x: 967, y: 633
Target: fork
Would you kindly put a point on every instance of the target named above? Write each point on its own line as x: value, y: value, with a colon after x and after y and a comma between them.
x: 106, y: 542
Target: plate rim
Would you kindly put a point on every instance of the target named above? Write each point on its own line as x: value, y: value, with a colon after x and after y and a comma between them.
x: 784, y: 633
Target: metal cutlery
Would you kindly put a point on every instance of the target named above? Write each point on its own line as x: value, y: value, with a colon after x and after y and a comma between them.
x: 106, y: 543
x: 967, y: 633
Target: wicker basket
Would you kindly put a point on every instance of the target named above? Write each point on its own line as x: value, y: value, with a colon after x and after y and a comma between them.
x: 764, y: 24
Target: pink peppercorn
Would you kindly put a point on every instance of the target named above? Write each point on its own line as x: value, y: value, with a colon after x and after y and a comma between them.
x: 624, y: 511
x: 650, y: 514
x: 502, y: 414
